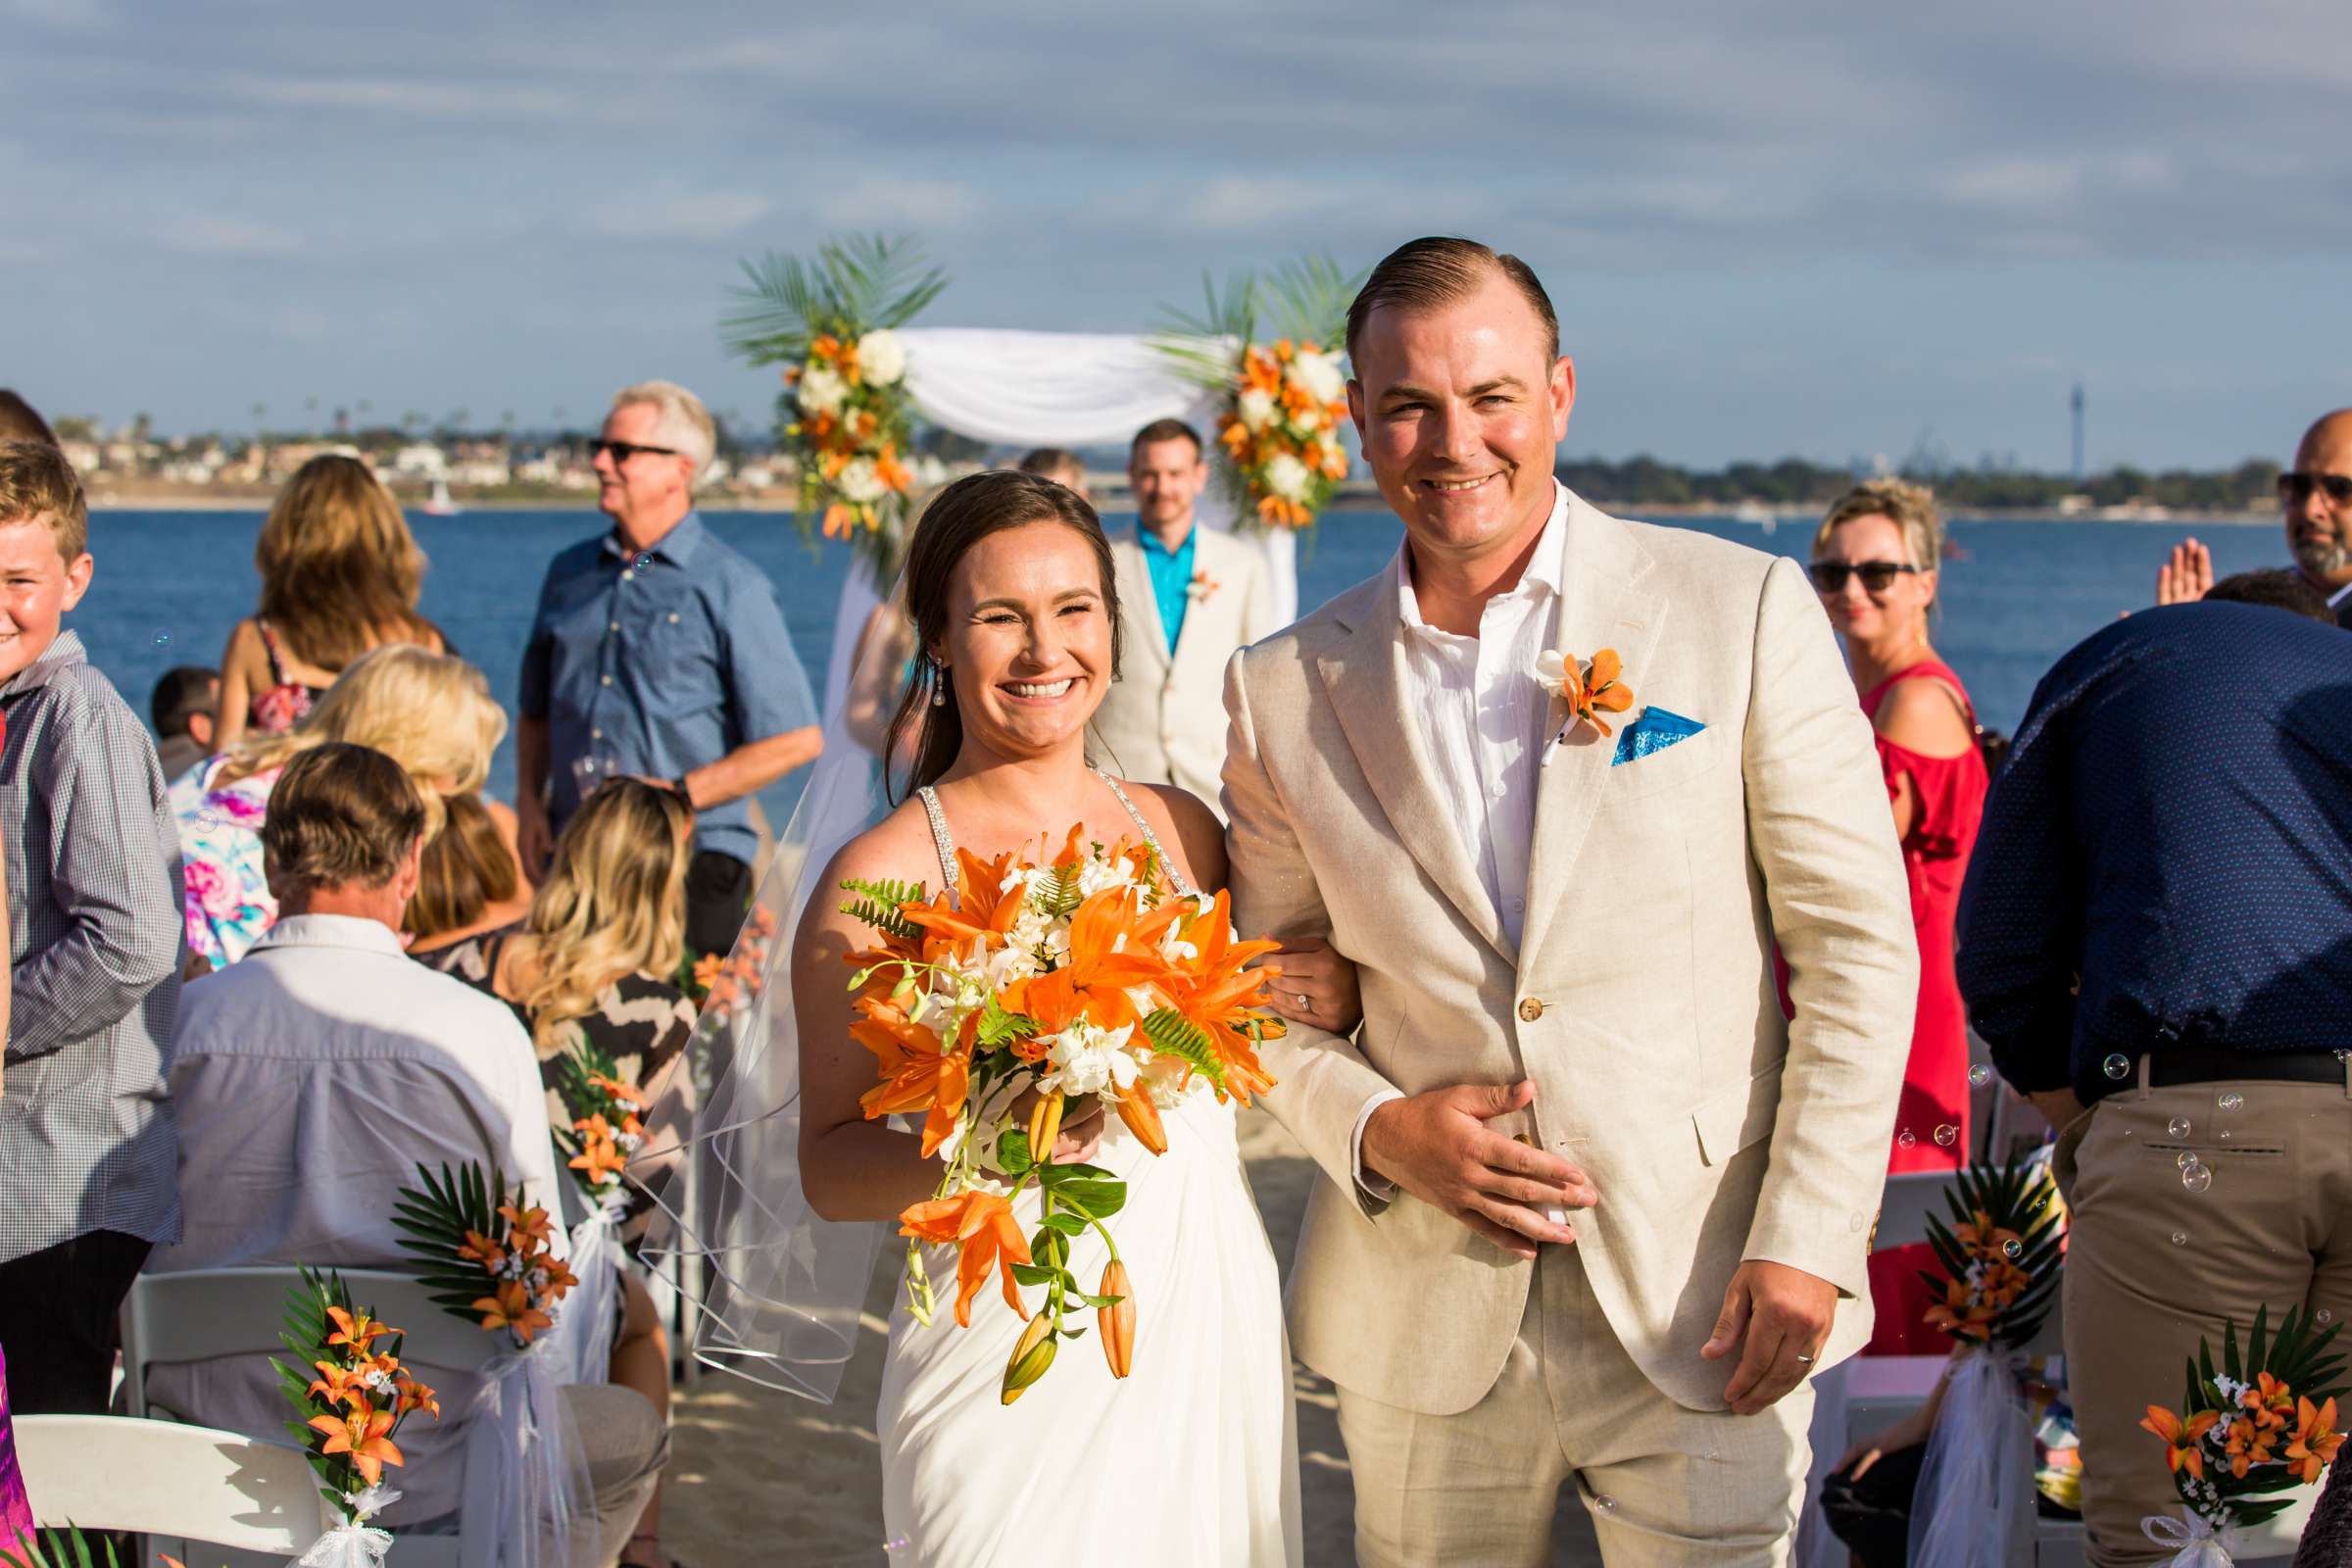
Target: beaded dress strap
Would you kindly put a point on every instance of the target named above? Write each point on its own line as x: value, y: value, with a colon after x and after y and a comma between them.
x: 941, y: 840
x: 1175, y: 877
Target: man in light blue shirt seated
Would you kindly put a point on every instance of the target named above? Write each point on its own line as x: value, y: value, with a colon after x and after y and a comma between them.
x: 660, y: 651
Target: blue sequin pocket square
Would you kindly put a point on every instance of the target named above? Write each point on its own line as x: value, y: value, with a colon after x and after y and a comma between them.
x: 1654, y: 731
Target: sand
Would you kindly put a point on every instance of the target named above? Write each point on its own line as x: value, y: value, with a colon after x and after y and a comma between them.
x: 762, y: 1477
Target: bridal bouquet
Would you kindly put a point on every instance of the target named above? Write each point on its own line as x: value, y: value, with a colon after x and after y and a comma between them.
x: 2263, y: 1424
x: 845, y: 415
x: 1283, y: 403
x: 1083, y: 975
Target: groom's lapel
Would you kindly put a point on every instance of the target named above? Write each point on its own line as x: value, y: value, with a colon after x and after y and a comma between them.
x: 1364, y: 675
x: 1608, y: 599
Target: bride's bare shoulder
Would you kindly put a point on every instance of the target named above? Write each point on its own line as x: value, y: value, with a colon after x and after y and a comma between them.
x: 1199, y: 837
x: 898, y: 848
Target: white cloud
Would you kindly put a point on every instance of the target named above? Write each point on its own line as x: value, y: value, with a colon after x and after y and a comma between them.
x: 698, y: 217
x: 900, y: 203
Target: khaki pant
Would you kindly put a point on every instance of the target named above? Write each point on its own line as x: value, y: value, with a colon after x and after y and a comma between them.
x: 2151, y: 1265
x: 1665, y: 1486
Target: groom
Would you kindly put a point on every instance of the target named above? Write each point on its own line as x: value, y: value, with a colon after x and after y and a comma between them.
x: 1595, y: 1212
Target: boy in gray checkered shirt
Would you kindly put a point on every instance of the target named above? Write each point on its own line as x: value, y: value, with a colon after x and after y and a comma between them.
x: 87, y: 1157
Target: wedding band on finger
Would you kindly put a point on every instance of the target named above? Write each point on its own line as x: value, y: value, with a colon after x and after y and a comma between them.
x: 1805, y: 1361
x: 1306, y: 1003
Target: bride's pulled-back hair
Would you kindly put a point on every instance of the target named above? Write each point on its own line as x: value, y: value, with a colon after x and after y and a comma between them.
x: 958, y: 517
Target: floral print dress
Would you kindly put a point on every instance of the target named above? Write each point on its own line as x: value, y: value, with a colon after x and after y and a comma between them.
x: 227, y: 898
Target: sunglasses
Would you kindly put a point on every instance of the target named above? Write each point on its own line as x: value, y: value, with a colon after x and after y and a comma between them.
x: 2296, y: 488
x: 622, y: 451
x: 1828, y: 576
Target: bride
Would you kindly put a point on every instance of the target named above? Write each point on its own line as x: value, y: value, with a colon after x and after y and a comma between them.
x: 1192, y: 1458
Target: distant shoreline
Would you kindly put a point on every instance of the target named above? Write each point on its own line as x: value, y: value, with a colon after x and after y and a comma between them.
x: 209, y: 498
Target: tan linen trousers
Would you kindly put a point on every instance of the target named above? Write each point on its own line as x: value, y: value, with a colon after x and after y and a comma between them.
x: 1666, y: 1485
x: 2151, y: 1265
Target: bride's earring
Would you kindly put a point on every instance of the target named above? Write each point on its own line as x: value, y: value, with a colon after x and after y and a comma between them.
x: 939, y: 685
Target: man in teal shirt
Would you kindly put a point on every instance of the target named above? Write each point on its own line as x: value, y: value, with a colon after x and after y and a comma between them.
x: 1190, y: 596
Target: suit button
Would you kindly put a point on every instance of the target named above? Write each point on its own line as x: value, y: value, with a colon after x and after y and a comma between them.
x: 1531, y: 1010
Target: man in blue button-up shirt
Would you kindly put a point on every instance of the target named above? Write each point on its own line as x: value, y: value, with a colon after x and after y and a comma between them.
x: 660, y: 651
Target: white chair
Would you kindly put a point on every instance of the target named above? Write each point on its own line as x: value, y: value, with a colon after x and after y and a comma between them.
x: 193, y: 1482
x: 205, y: 1313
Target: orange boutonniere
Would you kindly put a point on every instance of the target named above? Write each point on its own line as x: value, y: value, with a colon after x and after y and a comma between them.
x: 1588, y: 688
x: 1201, y: 586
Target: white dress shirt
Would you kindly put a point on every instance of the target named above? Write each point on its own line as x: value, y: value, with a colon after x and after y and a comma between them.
x: 1482, y: 713
x: 309, y: 1079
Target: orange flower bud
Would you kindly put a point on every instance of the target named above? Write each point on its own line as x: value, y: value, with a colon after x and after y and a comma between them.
x: 1143, y: 1117
x: 1030, y: 1358
x: 1044, y: 1125
x: 1117, y: 1321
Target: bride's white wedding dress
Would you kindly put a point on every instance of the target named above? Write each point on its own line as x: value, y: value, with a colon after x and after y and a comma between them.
x: 1189, y: 1461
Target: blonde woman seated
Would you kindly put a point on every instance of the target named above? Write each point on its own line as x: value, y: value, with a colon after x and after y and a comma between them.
x: 340, y: 575
x: 429, y: 712
x: 596, y: 960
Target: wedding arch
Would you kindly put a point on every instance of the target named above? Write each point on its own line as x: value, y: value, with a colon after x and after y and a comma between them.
x: 1050, y: 389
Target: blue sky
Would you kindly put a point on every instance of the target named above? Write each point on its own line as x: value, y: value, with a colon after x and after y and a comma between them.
x: 1811, y: 228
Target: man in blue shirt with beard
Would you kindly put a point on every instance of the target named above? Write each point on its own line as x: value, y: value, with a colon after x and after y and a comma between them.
x: 660, y: 651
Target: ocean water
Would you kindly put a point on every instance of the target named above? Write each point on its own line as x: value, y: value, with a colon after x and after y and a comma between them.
x: 170, y: 585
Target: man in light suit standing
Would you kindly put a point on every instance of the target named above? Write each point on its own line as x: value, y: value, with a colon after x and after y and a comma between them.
x: 1594, y: 1211
x: 1190, y: 596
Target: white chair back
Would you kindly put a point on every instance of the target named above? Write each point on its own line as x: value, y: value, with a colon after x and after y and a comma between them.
x: 193, y: 1482
x: 203, y: 1315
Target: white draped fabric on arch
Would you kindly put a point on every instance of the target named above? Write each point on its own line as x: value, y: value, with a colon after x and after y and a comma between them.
x: 1047, y: 389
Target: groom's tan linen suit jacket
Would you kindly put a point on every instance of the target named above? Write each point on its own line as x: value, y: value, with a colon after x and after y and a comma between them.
x: 1162, y: 722
x: 1641, y: 997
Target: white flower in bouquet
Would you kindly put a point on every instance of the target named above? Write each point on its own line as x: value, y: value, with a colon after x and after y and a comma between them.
x: 881, y: 359
x: 1089, y: 1059
x: 1305, y: 422
x: 1289, y: 478
x: 822, y: 390
x: 858, y: 481
x: 1319, y: 373
x: 1256, y: 408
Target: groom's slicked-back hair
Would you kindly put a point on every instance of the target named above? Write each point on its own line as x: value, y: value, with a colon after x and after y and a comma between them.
x: 1424, y: 275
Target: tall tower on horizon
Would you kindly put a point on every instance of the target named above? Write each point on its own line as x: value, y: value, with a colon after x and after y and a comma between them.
x: 2077, y: 400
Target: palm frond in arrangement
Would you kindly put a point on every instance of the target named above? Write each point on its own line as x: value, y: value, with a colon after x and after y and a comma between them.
x: 435, y: 1223
x: 855, y: 285
x: 61, y: 1548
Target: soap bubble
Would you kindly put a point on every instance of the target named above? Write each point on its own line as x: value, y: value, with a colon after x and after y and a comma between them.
x: 2186, y: 1159
x: 1979, y: 1075
x: 2322, y: 1315
x: 1906, y: 1138
x: 2013, y: 1249
x: 645, y: 563
x: 163, y: 639
x: 2197, y: 1176
x: 2177, y: 1126
x: 895, y: 1545
x: 1946, y: 1135
x: 2230, y: 1099
x: 1604, y: 1502
x: 2116, y: 1065
x: 2224, y: 1135
x: 2179, y: 1238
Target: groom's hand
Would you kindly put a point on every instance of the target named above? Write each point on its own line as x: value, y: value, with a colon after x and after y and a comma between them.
x: 1777, y: 1318
x: 1437, y: 1146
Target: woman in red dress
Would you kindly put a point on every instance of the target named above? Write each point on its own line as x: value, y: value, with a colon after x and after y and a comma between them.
x: 1875, y: 565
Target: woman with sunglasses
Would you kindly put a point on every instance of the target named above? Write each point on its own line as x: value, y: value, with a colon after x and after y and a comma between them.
x: 1875, y: 563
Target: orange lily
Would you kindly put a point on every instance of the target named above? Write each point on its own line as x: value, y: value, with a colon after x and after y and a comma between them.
x: 363, y: 1435
x: 707, y: 969
x: 1118, y: 1320
x: 627, y: 1093
x: 1981, y: 1235
x: 511, y: 1309
x: 530, y: 1223
x: 483, y: 1250
x: 340, y: 1384
x: 1113, y: 944
x: 2315, y: 1440
x: 600, y: 1159
x: 1219, y: 993
x: 1143, y: 1117
x: 981, y: 911
x: 1260, y: 372
x: 1591, y: 692
x: 918, y: 1071
x: 359, y: 1331
x: 1961, y: 1314
x: 415, y: 1395
x: 2180, y: 1438
x: 982, y: 1226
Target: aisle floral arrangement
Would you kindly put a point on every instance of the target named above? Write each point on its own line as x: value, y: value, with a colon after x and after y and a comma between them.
x: 350, y: 1393
x: 482, y: 1252
x: 2000, y: 1253
x: 843, y: 415
x: 2263, y: 1424
x: 606, y: 1129
x: 1283, y: 403
x: 1082, y: 975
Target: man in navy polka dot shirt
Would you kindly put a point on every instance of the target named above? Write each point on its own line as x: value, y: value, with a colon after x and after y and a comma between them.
x: 2157, y: 924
